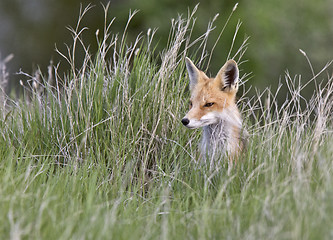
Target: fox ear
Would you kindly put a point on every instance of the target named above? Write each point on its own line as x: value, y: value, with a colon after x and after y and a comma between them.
x: 193, y: 72
x: 228, y: 76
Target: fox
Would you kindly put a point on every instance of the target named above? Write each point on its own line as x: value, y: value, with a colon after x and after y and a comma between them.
x: 213, y: 107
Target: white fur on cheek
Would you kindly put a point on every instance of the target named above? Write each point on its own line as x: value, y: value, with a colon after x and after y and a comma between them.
x: 210, y: 118
x: 231, y: 115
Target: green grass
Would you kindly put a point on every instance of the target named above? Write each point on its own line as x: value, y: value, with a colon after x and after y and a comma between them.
x: 101, y: 154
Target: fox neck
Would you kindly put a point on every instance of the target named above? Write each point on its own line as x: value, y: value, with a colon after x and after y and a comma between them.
x: 222, y: 137
x: 215, y: 137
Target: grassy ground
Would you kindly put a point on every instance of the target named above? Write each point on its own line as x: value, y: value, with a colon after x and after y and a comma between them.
x: 101, y: 153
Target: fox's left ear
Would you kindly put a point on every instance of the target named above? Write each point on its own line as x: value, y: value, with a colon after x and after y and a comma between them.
x: 193, y: 72
x: 228, y: 76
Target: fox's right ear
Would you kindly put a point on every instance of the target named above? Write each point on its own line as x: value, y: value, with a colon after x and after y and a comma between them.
x: 228, y: 76
x: 193, y: 72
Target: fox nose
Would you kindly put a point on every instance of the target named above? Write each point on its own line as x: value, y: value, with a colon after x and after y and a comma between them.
x: 185, y: 121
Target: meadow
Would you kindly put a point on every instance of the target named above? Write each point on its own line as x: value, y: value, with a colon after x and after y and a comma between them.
x: 100, y: 153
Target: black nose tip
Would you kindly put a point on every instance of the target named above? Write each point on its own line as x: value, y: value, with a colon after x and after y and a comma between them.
x: 185, y: 121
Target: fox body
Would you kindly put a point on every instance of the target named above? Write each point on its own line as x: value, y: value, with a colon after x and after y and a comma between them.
x: 213, y: 107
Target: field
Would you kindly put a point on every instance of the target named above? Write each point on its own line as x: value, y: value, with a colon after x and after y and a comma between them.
x: 100, y: 153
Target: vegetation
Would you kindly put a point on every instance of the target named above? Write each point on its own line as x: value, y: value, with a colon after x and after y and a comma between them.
x: 101, y: 153
x: 276, y: 29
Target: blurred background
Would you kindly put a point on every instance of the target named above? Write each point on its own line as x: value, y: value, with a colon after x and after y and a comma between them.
x: 30, y: 29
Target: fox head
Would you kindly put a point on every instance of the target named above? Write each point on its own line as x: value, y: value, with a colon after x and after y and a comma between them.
x: 212, y: 99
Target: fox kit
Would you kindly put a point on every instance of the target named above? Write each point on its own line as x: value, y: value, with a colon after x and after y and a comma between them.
x: 213, y: 107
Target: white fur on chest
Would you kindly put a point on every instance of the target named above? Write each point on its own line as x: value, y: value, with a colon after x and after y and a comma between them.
x: 220, y: 138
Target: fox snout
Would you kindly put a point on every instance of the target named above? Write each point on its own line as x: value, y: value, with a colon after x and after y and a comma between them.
x: 185, y: 121
x: 193, y: 123
x: 207, y: 119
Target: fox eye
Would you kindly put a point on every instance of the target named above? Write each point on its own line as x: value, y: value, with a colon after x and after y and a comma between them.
x: 209, y: 104
x: 190, y: 103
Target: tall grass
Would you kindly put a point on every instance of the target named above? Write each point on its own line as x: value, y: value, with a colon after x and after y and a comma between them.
x: 99, y: 153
